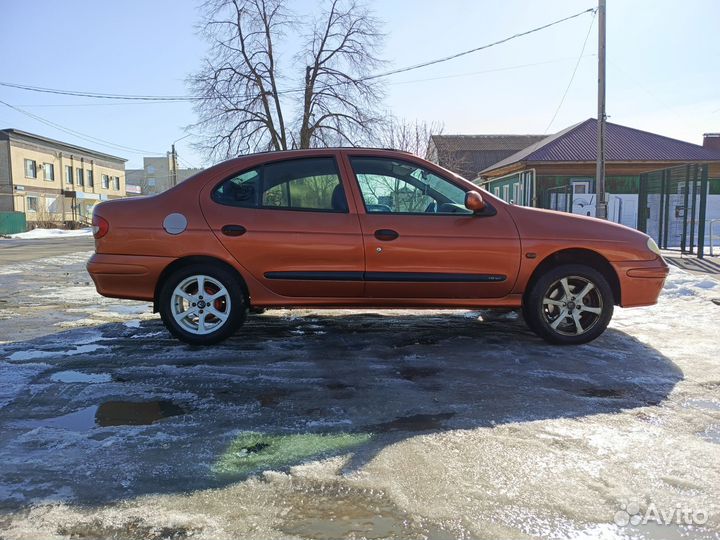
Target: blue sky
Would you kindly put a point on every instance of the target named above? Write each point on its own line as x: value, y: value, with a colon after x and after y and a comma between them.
x: 663, y: 60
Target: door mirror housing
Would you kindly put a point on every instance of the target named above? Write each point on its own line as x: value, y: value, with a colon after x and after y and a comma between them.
x: 474, y: 201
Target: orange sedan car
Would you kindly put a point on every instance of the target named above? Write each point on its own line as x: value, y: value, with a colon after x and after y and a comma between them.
x: 358, y: 228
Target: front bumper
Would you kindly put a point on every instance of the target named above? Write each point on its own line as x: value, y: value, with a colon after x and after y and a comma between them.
x: 641, y: 281
x: 126, y: 276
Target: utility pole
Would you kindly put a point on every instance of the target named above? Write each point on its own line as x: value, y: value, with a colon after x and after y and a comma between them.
x: 174, y: 166
x: 600, y: 202
x: 173, y: 157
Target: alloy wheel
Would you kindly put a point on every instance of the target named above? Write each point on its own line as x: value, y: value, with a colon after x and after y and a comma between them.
x: 572, y: 305
x: 200, y: 304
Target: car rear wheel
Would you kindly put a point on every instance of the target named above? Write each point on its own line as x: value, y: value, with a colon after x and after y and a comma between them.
x: 569, y: 305
x: 202, y: 304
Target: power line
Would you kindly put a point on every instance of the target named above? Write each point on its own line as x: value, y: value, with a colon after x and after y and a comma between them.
x: 476, y: 49
x: 135, y: 97
x: 97, y: 95
x: 78, y: 134
x: 410, y: 81
x: 572, y: 77
x: 492, y: 70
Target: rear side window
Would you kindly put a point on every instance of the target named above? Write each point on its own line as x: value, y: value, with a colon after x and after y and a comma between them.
x: 298, y: 184
x: 240, y: 190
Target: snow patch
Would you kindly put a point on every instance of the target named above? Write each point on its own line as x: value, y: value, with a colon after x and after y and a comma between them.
x: 33, y: 353
x: 52, y: 233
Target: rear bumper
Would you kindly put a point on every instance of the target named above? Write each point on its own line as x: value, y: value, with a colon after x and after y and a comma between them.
x: 126, y: 276
x: 641, y: 281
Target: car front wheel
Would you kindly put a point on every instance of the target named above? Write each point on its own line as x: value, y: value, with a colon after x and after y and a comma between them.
x: 569, y: 305
x: 202, y: 304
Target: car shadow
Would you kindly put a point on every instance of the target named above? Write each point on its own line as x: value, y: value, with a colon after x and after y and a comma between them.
x: 122, y: 410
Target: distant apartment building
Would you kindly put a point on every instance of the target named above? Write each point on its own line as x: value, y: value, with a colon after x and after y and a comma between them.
x: 157, y: 175
x: 53, y: 182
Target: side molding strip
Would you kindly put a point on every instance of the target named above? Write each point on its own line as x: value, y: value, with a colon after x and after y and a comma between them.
x: 397, y: 277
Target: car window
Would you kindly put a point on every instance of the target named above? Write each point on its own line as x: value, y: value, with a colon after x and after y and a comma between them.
x: 401, y: 187
x: 299, y: 184
x: 241, y: 190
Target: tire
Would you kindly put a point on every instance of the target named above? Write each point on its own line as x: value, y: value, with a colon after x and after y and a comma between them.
x: 556, y: 312
x: 187, y: 316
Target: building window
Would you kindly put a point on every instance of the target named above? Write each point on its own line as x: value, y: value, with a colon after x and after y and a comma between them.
x: 506, y: 193
x: 49, y: 172
x: 151, y: 182
x: 80, y: 177
x: 105, y: 181
x: 516, y: 193
x: 32, y: 204
x: 30, y: 168
x: 68, y: 174
x: 117, y: 183
x: 496, y: 192
x: 91, y: 180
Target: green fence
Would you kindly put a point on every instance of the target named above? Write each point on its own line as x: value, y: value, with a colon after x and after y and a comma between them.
x: 12, y: 222
x: 672, y: 206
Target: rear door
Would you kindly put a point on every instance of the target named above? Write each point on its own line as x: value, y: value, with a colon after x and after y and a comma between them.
x: 421, y: 241
x: 291, y: 225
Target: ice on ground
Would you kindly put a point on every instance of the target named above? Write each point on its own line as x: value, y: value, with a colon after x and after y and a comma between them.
x: 14, y: 379
x: 33, y: 354
x: 52, y: 233
x: 479, y: 429
x: 80, y: 377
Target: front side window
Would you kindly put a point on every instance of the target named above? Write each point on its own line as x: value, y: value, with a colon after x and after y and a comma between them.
x: 401, y: 187
x: 49, y: 172
x: 299, y: 184
x: 30, y: 168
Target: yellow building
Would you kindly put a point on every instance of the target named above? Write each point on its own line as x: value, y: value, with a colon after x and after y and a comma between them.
x: 55, y: 183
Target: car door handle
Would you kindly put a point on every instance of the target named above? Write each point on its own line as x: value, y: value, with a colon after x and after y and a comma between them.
x: 233, y: 230
x: 386, y: 234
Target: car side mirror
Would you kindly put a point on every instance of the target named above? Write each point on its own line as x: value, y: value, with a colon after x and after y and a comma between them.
x: 474, y: 201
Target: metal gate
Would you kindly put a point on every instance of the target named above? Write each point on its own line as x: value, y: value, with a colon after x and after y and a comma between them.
x: 672, y: 205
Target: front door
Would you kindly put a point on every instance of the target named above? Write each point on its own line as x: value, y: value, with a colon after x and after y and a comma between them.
x: 290, y: 225
x: 583, y: 200
x: 421, y: 241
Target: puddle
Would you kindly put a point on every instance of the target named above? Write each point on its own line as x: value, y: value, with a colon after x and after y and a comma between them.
x: 252, y: 452
x: 136, y: 528
x: 111, y: 413
x: 82, y: 420
x: 135, y: 413
x: 329, y: 511
x: 79, y: 377
x: 417, y: 422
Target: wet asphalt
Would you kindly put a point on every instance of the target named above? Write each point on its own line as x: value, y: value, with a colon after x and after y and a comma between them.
x: 100, y: 407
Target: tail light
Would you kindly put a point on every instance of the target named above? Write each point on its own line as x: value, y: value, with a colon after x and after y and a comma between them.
x: 100, y: 226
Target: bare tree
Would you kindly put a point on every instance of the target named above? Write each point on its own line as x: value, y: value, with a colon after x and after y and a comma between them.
x: 240, y: 102
x: 409, y: 135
